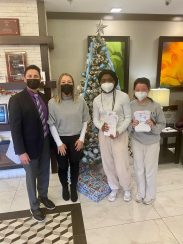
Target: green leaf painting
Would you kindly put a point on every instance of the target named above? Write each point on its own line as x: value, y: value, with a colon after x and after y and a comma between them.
x: 117, y: 54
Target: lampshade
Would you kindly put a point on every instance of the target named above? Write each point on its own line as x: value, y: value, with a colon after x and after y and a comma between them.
x: 160, y: 95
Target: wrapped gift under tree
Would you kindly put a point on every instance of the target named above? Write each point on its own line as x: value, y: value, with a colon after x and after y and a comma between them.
x: 93, y: 185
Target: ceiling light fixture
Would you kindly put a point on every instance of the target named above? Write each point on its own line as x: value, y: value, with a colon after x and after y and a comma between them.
x: 178, y: 18
x: 116, y: 10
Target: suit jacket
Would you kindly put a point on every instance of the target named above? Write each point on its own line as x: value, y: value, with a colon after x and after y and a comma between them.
x: 25, y: 123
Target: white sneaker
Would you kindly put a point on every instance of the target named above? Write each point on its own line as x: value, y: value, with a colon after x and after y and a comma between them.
x: 148, y: 201
x: 112, y: 196
x: 127, y: 196
x: 138, y: 198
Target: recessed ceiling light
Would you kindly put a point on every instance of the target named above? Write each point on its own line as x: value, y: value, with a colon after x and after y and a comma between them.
x: 178, y: 18
x: 116, y: 10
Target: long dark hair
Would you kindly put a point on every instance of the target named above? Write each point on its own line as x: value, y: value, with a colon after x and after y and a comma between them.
x: 145, y: 81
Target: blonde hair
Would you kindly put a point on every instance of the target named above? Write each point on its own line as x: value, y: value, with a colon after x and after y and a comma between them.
x: 58, y: 97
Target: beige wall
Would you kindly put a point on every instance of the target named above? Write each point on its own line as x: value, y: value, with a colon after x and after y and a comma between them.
x: 70, y: 40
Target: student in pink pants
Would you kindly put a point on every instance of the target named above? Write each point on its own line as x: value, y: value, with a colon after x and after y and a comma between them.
x: 114, y: 149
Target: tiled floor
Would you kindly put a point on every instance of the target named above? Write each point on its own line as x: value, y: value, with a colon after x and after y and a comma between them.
x: 118, y: 222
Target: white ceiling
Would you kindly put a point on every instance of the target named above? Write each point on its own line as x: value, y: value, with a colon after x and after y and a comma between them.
x: 104, y: 6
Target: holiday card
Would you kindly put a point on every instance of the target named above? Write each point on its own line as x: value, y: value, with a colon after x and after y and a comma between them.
x: 142, y: 117
x: 111, y: 119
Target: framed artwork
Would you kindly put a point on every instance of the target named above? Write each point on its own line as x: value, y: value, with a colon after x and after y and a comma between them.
x: 15, y: 63
x: 9, y: 27
x: 3, y: 114
x: 119, y: 51
x: 170, y: 63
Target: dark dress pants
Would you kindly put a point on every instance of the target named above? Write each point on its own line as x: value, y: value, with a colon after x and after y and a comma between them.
x: 37, y: 176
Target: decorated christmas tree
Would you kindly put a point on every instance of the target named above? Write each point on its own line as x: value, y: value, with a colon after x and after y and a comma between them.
x: 98, y: 58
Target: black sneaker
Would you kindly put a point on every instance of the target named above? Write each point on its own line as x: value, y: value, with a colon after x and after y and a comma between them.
x: 38, y: 214
x: 74, y: 194
x: 65, y: 193
x: 47, y: 203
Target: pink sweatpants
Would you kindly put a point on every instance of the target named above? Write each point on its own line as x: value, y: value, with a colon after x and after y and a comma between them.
x: 115, y: 160
x: 146, y: 167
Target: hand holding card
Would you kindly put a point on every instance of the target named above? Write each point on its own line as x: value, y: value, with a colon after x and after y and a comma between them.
x: 142, y: 117
x: 111, y: 120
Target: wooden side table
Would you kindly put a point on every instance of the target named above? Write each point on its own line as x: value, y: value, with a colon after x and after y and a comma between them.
x: 166, y: 155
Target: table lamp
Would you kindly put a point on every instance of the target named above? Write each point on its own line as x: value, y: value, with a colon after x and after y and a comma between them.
x: 160, y: 95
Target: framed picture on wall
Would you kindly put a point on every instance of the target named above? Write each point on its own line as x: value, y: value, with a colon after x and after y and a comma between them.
x: 15, y: 63
x: 119, y: 51
x: 3, y: 114
x: 9, y: 27
x: 170, y: 63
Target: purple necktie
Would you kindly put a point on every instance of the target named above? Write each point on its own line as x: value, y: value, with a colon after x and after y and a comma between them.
x: 41, y: 114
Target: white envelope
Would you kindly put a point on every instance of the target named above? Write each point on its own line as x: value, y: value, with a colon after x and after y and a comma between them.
x: 11, y: 154
x: 142, y: 127
x: 112, y: 120
x: 142, y: 117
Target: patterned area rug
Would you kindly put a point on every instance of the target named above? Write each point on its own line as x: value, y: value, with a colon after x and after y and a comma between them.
x: 63, y: 225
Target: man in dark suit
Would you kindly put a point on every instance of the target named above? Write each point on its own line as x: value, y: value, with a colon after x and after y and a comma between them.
x: 28, y: 116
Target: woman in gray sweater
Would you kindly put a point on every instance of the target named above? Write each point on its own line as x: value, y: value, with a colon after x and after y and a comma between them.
x: 68, y: 117
x: 147, y: 123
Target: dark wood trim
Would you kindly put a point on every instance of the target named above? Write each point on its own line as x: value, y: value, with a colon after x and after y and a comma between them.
x: 5, y: 127
x: 45, y: 63
x: 171, y: 38
x: 45, y: 60
x: 13, y: 85
x: 54, y: 168
x: 50, y: 84
x: 108, y: 16
x: 41, y: 18
x: 166, y: 155
x: 22, y: 85
x: 170, y: 108
x: 16, y: 166
x: 43, y: 31
x: 27, y: 40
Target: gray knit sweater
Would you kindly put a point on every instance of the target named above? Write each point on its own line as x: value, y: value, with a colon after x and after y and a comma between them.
x: 157, y: 116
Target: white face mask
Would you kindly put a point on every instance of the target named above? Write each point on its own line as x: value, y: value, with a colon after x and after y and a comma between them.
x: 107, y: 87
x: 140, y: 95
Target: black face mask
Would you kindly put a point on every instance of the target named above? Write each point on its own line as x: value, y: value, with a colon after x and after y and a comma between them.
x: 33, y: 83
x: 67, y: 89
